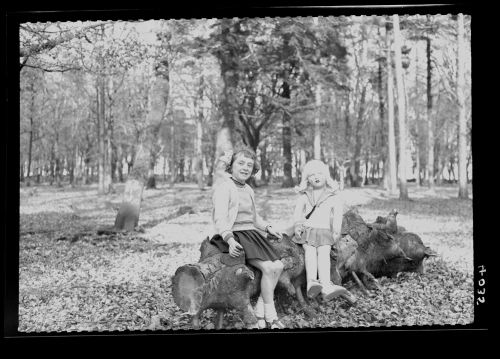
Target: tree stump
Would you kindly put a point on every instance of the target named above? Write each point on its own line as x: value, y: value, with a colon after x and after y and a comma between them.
x: 127, y: 217
x: 218, y: 281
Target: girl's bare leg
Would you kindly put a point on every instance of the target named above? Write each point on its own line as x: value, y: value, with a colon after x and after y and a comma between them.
x: 278, y: 269
x: 267, y: 283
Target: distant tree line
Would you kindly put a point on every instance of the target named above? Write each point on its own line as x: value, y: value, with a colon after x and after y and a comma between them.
x: 382, y: 100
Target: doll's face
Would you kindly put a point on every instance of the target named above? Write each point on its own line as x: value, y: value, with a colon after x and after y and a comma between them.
x: 242, y: 168
x: 317, y: 180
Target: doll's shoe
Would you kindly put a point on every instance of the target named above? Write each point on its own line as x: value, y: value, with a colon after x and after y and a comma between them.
x: 275, y: 324
x: 313, y: 288
x: 331, y: 291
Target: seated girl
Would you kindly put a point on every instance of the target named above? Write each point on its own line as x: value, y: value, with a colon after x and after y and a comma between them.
x: 238, y: 224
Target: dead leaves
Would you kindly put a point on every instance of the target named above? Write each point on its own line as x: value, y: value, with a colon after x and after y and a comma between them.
x: 122, y: 282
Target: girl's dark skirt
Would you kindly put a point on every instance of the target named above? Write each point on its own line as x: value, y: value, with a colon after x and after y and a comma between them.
x: 255, y: 245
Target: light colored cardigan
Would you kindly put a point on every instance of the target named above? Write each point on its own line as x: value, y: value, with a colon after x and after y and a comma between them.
x: 328, y: 213
x: 225, y: 200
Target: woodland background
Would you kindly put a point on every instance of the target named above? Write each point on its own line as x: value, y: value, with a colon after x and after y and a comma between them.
x: 351, y: 91
x: 385, y: 101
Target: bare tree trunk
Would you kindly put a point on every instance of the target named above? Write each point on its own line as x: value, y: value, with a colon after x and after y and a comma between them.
x: 391, y: 163
x: 107, y: 164
x: 430, y: 123
x: 119, y: 164
x: 172, y: 162
x: 437, y: 162
x: 21, y: 173
x: 381, y: 109
x: 114, y: 159
x: 151, y: 181
x: 228, y: 105
x: 417, y: 166
x: 100, y: 134
x: 263, y: 162
x: 469, y: 160
x: 462, y: 121
x: 287, y: 141
x: 317, y: 128
x: 199, y: 136
x: 58, y: 171
x: 164, y: 167
x: 30, y: 145
x: 417, y: 123
x: 127, y: 217
x: 77, y: 160
x: 101, y: 119
x: 367, y: 162
x: 332, y: 123
x: 357, y: 179
x: 181, y: 170
x: 403, y: 190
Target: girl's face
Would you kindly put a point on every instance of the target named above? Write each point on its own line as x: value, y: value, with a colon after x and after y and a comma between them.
x: 242, y: 168
x: 317, y: 180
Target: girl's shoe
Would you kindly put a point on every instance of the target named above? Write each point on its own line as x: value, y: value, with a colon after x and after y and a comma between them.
x: 275, y: 324
x: 261, y: 323
x: 314, y: 287
x: 331, y: 291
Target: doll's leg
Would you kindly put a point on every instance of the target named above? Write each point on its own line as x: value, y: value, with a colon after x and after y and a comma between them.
x: 311, y: 262
x: 330, y: 290
x: 324, y: 264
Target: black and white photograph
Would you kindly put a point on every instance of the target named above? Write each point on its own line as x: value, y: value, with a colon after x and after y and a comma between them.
x: 246, y: 174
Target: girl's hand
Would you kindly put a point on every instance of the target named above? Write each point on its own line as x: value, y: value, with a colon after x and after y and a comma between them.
x: 274, y: 233
x: 299, y: 230
x: 235, y: 249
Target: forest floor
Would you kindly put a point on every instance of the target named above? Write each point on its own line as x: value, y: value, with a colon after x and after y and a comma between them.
x: 123, y: 282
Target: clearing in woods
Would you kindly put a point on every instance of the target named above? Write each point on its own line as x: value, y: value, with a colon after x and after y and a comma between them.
x: 122, y: 282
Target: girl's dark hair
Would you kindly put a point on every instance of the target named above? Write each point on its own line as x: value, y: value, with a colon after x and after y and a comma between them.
x: 248, y: 154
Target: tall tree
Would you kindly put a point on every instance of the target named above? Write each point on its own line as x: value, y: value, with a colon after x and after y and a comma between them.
x: 231, y: 48
x: 430, y: 122
x: 317, y: 124
x: 403, y: 189
x: 286, y: 134
x: 199, y: 134
x: 462, y: 121
x: 392, y: 180
x: 317, y: 117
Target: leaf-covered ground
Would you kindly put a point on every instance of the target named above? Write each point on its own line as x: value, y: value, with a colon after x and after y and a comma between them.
x: 101, y: 283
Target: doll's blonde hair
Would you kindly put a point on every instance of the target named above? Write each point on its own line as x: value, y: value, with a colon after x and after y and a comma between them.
x: 315, y: 166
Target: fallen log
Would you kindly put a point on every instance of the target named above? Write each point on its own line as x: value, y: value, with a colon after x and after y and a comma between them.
x: 385, y: 248
x: 362, y: 249
x: 416, y: 252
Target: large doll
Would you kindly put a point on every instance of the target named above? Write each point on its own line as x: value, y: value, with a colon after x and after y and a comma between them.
x: 317, y: 224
